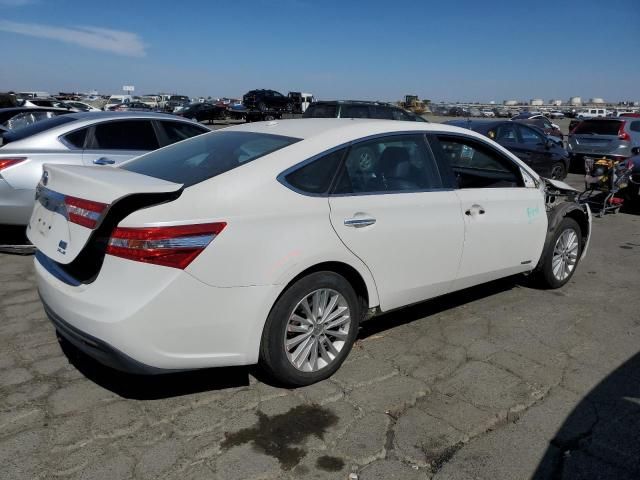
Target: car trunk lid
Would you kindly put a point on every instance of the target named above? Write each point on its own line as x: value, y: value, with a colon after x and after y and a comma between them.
x: 72, y: 202
x: 596, y: 136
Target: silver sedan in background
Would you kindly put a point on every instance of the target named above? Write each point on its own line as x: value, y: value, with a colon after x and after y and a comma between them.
x: 93, y: 138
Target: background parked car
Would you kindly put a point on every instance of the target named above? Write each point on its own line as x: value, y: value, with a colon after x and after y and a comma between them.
x: 117, y: 100
x: 81, y: 106
x: 130, y: 107
x: 527, y: 142
x: 94, y: 138
x: 545, y: 124
x: 18, y: 117
x: 592, y: 113
x: 201, y: 112
x: 267, y: 100
x: 359, y: 109
x: 555, y: 114
x: 609, y: 137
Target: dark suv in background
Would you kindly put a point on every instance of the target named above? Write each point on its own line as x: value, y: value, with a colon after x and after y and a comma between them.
x: 264, y: 100
x: 359, y: 109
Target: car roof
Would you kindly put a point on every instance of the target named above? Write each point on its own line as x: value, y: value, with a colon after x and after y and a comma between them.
x: 353, y: 102
x: 49, y: 137
x: 347, y: 128
x: 33, y: 109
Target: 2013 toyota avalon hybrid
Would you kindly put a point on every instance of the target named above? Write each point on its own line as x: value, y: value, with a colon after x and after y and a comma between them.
x: 269, y: 242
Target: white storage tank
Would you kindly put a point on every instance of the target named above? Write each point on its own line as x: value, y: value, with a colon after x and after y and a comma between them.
x: 575, y: 101
x: 555, y: 102
x: 536, y: 102
x: 596, y: 100
x: 510, y: 103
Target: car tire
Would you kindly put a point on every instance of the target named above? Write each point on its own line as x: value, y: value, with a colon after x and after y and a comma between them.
x: 298, y: 349
x: 562, y: 255
x: 558, y: 171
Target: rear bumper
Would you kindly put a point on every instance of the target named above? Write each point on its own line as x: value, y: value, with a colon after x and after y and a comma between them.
x: 98, y: 349
x: 144, y: 318
x: 15, y: 205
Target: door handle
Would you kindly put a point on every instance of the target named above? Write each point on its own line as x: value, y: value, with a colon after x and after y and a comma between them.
x: 104, y: 161
x: 475, y: 208
x: 359, y: 222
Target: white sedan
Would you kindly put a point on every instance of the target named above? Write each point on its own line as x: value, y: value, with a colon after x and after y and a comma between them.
x: 269, y: 242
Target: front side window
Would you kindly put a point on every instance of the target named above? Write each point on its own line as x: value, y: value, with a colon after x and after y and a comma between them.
x: 125, y: 135
x: 315, y: 177
x: 476, y: 165
x: 506, y: 132
x: 530, y: 136
x: 206, y: 156
x: 391, y: 164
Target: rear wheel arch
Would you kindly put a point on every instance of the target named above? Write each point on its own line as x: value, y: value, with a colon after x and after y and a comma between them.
x: 364, y: 291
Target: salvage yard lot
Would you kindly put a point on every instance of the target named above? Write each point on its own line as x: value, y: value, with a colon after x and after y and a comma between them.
x: 472, y: 385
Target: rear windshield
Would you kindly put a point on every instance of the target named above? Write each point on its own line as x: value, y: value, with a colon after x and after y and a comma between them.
x: 37, y: 127
x: 321, y: 111
x: 203, y: 157
x: 598, y: 127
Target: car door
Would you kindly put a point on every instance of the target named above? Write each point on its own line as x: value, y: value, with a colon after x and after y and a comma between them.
x: 535, y: 143
x: 505, y: 222
x: 114, y: 141
x: 389, y: 207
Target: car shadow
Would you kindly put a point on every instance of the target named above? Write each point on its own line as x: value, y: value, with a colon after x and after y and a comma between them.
x: 155, y: 387
x: 404, y: 315
x: 601, y: 436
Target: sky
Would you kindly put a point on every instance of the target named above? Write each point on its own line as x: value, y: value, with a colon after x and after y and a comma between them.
x: 455, y: 50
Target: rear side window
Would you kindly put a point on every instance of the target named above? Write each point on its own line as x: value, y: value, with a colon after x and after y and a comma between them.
x: 598, y: 127
x: 316, y: 176
x: 76, y: 139
x: 125, y: 135
x: 206, y: 156
x: 178, y: 131
x: 321, y: 111
x: 398, y: 163
x: 635, y: 126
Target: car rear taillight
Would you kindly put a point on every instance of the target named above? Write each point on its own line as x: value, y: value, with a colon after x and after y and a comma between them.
x: 84, y: 212
x: 10, y: 162
x: 622, y: 135
x: 173, y: 246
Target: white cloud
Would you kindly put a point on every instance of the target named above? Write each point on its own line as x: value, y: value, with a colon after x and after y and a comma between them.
x: 115, y: 41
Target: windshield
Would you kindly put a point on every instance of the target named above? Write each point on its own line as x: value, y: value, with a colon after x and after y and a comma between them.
x: 37, y: 127
x: 179, y: 98
x: 148, y: 99
x: 195, y: 160
x: 598, y: 127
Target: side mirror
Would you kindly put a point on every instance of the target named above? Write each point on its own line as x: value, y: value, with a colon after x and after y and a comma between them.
x: 635, y: 151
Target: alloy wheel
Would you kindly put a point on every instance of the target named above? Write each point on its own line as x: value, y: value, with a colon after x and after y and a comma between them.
x: 317, y: 330
x: 565, y: 254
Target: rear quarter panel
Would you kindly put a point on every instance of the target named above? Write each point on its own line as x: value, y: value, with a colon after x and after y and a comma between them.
x: 26, y: 175
x: 272, y: 233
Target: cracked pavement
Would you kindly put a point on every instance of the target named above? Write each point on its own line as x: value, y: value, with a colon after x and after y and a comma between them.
x: 502, y: 381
